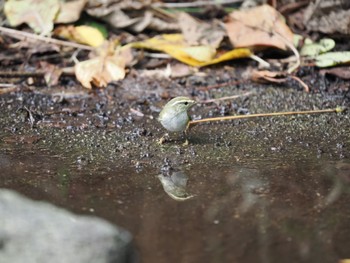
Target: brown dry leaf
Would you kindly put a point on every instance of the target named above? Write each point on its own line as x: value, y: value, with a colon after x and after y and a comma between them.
x: 258, y: 26
x: 340, y: 72
x: 107, y: 66
x: 328, y: 17
x: 180, y: 70
x: 70, y: 11
x: 198, y: 32
x: 175, y: 46
x: 82, y: 34
x: 134, y: 15
x: 52, y: 73
x: 38, y: 14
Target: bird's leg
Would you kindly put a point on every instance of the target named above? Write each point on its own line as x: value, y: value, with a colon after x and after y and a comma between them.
x: 164, y: 139
x: 185, y: 134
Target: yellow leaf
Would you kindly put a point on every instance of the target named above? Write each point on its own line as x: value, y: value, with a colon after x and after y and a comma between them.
x: 232, y: 54
x: 82, y: 34
x: 175, y: 46
x: 90, y: 35
x: 200, y: 53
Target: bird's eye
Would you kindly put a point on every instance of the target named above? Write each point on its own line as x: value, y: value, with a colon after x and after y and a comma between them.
x: 186, y: 103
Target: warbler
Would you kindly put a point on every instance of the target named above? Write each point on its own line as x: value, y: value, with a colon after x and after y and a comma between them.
x: 174, y: 116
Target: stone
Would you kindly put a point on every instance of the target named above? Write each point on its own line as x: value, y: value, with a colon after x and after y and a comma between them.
x: 36, y: 231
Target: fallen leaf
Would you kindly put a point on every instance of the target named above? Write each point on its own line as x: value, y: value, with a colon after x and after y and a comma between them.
x: 143, y: 22
x: 340, y: 72
x: 200, y: 53
x: 258, y: 26
x: 297, y: 40
x: 134, y: 15
x: 52, y: 73
x: 181, y: 70
x: 328, y: 17
x: 314, y: 49
x: 82, y: 34
x: 70, y: 11
x: 107, y: 66
x: 38, y: 14
x: 157, y: 73
x: 197, y: 32
x: 332, y: 59
x: 175, y: 46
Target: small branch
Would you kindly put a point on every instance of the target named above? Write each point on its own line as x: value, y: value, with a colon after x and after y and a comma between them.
x: 20, y: 74
x: 7, y: 89
x: 156, y: 55
x: 336, y: 110
x: 261, y: 62
x: 294, y: 50
x: 23, y: 35
x: 302, y: 83
x: 25, y: 74
x: 7, y: 85
x: 195, y: 4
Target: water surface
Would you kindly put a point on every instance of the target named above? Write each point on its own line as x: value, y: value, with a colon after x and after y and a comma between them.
x: 262, y: 210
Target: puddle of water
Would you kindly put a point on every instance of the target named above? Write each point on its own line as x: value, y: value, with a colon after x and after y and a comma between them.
x: 264, y: 211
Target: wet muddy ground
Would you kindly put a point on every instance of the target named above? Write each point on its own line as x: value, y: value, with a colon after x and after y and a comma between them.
x: 260, y: 190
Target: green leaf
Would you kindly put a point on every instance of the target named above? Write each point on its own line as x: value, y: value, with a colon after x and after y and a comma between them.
x: 314, y: 49
x: 332, y: 59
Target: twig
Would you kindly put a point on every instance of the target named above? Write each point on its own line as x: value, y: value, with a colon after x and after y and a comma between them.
x: 7, y: 85
x: 156, y: 55
x: 21, y: 74
x: 22, y: 35
x: 7, y: 89
x: 226, y: 98
x: 26, y: 74
x: 262, y: 62
x: 302, y: 83
x: 336, y: 110
x: 293, y: 49
x: 194, y: 4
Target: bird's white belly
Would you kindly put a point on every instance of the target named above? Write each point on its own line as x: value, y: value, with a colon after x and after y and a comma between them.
x: 176, y: 123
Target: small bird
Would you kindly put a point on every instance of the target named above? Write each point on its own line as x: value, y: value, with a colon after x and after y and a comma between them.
x: 174, y: 116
